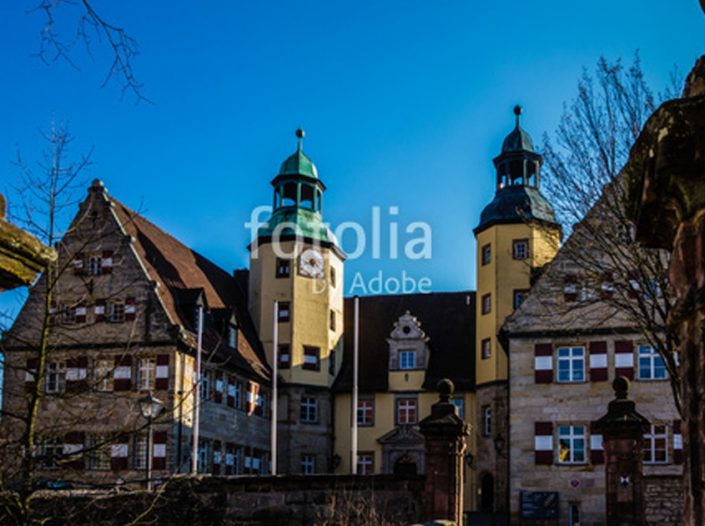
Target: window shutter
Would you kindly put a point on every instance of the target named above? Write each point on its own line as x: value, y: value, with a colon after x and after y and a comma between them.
x: 598, y: 361
x: 231, y: 392
x: 218, y: 392
x: 76, y: 374
x: 106, y: 263
x: 130, y: 309
x: 78, y: 263
x: 393, y: 360
x: 30, y: 375
x: 99, y: 310
x: 229, y: 458
x: 624, y: 358
x: 597, y: 453
x: 543, y: 443
x: 73, y: 449
x: 161, y: 381
x: 543, y: 363
x: 118, y: 455
x: 122, y: 377
x: 677, y: 443
x: 159, y: 450
x: 570, y: 287
x: 80, y: 311
x: 217, y: 457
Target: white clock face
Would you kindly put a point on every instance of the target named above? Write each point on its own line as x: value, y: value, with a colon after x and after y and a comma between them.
x: 311, y: 264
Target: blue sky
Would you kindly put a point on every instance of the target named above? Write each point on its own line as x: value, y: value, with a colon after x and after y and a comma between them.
x: 404, y: 103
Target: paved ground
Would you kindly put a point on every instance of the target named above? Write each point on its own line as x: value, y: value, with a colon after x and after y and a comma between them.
x: 485, y: 519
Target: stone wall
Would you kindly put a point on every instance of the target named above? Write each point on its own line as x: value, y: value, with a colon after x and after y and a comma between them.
x: 250, y: 501
x: 663, y: 498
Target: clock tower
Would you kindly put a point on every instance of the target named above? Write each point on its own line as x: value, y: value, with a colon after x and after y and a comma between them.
x: 295, y: 261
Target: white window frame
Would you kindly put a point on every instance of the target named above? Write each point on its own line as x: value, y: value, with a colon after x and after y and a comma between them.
x: 139, y: 451
x: 407, y: 359
x: 405, y: 405
x: 367, y: 410
x: 232, y: 337
x: 206, y: 384
x: 652, y: 357
x: 98, y: 453
x: 103, y: 375
x: 517, y: 254
x: 309, y: 410
x: 486, y: 421
x: 460, y: 404
x: 94, y: 266
x: 486, y: 348
x: 204, y: 455
x: 650, y: 443
x: 55, y: 381
x: 51, y: 450
x: 572, y: 434
x: 572, y: 358
x: 116, y: 312
x: 366, y: 463
x: 146, y: 374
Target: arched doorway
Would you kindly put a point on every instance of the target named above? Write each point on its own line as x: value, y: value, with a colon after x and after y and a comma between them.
x: 405, y: 465
x: 487, y: 493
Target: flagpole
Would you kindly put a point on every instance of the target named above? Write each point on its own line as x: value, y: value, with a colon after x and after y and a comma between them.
x: 197, y: 393
x: 356, y: 351
x: 275, y: 374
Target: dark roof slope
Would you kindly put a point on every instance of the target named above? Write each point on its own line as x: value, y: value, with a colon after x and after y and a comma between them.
x: 447, y: 318
x: 182, y: 275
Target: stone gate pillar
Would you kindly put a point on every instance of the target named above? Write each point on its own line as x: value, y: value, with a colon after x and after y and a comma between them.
x: 623, y: 431
x: 444, y: 432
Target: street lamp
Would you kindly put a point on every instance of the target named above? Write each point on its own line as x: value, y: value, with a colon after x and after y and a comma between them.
x: 150, y: 407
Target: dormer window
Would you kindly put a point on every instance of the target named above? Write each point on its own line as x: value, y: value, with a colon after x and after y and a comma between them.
x: 407, y: 359
x: 232, y: 337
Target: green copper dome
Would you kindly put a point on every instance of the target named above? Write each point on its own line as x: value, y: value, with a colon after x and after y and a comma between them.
x: 298, y: 163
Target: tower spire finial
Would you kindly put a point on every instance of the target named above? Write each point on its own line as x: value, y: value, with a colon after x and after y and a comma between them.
x: 517, y: 111
x: 300, y: 134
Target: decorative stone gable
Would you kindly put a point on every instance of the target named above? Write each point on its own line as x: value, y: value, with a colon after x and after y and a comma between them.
x: 407, y: 336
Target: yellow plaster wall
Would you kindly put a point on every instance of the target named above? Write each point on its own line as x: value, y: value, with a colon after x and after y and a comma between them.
x: 500, y: 278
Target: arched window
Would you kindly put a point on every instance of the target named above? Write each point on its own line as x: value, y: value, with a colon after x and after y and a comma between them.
x: 531, y: 170
x: 516, y: 172
x: 308, y: 193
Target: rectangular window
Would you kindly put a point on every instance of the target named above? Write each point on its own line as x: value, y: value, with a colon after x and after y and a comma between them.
x: 55, y: 377
x: 331, y: 362
x: 50, y: 453
x: 571, y: 364
x: 332, y: 319
x: 406, y: 410
x: 571, y: 445
x: 94, y: 265
x: 206, y: 385
x: 98, y: 454
x: 486, y: 348
x: 204, y: 456
x: 312, y: 358
x: 68, y: 315
x: 407, y: 360
x: 308, y: 464
x: 103, y: 375
x: 232, y: 337
x: 116, y: 312
x: 333, y: 277
x: 366, y: 412
x: 651, y: 366
x: 309, y: 410
x: 486, y: 303
x: 365, y: 463
x: 238, y: 395
x: 486, y: 413
x: 139, y: 452
x: 283, y: 312
x: 656, y: 445
x: 146, y: 370
x: 458, y: 403
x: 520, y: 249
x: 283, y: 268
x: 284, y: 352
x: 486, y: 254
x: 519, y: 297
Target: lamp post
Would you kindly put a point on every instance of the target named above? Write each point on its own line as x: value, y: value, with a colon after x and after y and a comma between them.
x: 150, y: 407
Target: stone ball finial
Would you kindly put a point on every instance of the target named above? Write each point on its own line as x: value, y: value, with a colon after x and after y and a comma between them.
x: 518, y: 110
x: 300, y: 133
x: 621, y: 387
x: 445, y: 388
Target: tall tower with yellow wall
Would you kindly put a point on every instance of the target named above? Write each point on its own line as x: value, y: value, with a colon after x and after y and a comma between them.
x: 517, y: 235
x: 296, y: 262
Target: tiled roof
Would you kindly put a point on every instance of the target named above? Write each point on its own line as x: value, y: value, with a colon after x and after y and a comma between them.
x: 447, y: 318
x: 181, y: 275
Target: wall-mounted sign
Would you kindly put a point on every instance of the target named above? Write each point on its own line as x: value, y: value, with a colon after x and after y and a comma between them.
x: 539, y: 505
